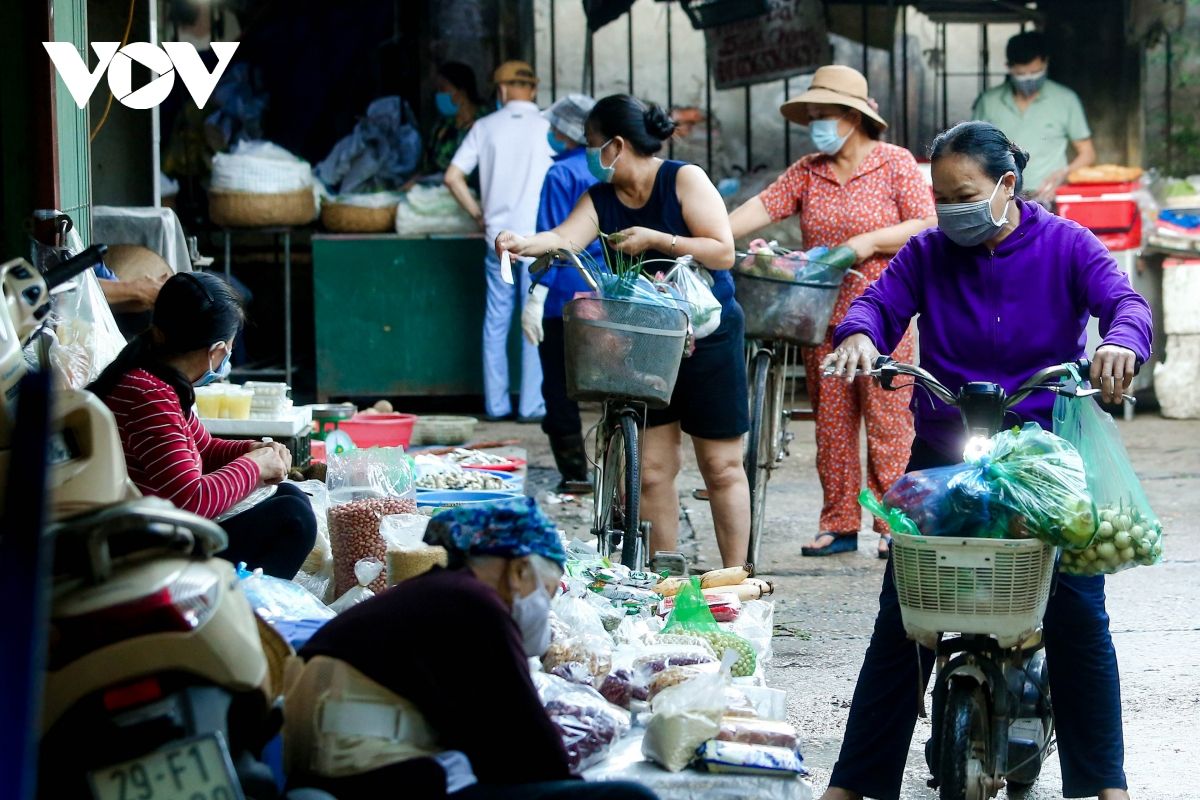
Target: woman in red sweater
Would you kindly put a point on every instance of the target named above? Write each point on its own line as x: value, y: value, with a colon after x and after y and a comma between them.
x: 169, y: 454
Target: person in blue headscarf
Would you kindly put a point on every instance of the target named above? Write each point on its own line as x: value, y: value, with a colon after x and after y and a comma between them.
x: 443, y: 659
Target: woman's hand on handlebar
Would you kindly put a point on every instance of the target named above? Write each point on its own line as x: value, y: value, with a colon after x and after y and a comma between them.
x: 854, y: 356
x: 1113, y: 368
x: 271, y: 468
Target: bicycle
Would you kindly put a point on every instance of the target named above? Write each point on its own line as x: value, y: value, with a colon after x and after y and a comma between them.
x: 782, y: 315
x: 625, y: 355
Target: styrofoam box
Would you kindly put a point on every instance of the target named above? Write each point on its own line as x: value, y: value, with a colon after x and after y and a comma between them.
x: 1181, y: 296
x: 1177, y: 380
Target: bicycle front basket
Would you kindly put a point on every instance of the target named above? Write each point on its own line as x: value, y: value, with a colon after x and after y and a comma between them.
x: 983, y: 586
x: 622, y: 349
x: 791, y: 311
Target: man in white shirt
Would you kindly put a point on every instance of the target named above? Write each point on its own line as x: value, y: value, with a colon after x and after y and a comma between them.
x: 513, y: 154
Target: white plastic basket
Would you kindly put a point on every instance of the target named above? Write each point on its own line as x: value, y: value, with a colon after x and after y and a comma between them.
x: 982, y: 586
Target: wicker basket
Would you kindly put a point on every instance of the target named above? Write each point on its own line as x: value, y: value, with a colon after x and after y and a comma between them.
x: 983, y: 586
x: 444, y: 430
x: 346, y: 218
x: 248, y: 210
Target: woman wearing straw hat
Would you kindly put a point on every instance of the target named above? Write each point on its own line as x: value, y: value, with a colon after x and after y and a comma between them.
x: 861, y: 192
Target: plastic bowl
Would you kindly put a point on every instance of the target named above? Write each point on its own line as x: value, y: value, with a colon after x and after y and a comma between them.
x: 452, y: 499
x: 380, y: 430
x: 512, y: 483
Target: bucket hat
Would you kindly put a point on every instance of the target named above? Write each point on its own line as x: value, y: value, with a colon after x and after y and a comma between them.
x: 834, y: 84
x: 568, y: 115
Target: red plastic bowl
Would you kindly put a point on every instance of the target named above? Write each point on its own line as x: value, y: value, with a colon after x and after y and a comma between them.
x: 380, y: 430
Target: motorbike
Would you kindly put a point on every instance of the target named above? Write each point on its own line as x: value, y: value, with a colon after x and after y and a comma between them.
x: 992, y: 718
x: 158, y: 683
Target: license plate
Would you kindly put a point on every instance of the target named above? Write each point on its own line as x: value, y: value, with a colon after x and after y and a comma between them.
x: 194, y: 769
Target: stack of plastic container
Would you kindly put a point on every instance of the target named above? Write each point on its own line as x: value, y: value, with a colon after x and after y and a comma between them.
x: 270, y: 400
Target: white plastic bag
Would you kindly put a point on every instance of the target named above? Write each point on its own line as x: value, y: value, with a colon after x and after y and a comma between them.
x: 426, y: 210
x: 695, y: 284
x: 261, y: 168
x: 365, y: 571
x: 685, y: 717
x: 85, y: 335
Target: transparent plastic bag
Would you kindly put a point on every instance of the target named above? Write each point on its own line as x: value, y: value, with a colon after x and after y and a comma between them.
x: 695, y: 284
x: 685, y: 717
x: 248, y: 502
x: 278, y: 600
x: 86, y: 338
x: 691, y: 614
x: 1027, y: 483
x: 1129, y: 533
x: 364, y: 487
x: 407, y: 554
x: 366, y: 571
x: 588, y: 723
x: 578, y: 635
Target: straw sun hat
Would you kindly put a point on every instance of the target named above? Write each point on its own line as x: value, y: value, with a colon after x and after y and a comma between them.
x: 834, y: 85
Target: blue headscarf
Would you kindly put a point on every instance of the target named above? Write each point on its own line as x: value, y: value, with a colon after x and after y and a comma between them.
x: 509, y: 529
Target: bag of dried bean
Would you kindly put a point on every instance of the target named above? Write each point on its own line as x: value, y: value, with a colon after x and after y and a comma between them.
x: 364, y: 487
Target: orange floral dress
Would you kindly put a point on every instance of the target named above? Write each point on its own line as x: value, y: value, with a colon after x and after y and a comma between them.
x: 885, y: 190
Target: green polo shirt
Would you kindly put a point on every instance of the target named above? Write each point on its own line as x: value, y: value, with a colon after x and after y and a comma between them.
x: 1054, y: 118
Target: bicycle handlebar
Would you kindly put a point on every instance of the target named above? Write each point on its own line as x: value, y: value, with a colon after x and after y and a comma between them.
x: 61, y: 273
x: 886, y: 369
x: 543, y: 262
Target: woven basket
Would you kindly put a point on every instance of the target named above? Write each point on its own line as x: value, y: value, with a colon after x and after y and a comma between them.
x: 247, y: 210
x: 444, y: 430
x: 346, y: 218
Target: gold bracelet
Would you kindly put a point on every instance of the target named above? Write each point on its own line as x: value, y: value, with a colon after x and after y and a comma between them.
x: 674, y: 239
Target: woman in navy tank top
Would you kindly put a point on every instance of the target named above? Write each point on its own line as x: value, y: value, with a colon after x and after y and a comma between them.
x: 667, y: 209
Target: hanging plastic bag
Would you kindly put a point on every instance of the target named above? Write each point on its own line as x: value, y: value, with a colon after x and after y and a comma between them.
x: 692, y: 615
x: 365, y: 571
x: 1026, y: 483
x: 695, y: 286
x: 85, y: 335
x: 364, y: 487
x: 1129, y: 533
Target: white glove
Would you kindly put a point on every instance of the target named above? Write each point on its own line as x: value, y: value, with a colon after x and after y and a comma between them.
x: 531, y: 315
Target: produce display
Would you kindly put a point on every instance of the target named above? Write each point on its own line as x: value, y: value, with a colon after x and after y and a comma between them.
x: 817, y: 265
x: 470, y: 480
x: 693, y: 617
x: 354, y: 535
x: 475, y: 458
x: 589, y: 725
x: 1031, y: 484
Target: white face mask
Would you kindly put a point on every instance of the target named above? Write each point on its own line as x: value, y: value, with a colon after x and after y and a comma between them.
x: 532, y: 615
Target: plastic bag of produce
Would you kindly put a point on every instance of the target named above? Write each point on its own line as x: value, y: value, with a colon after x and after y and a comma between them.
x: 365, y: 571
x: 578, y: 635
x: 691, y: 615
x: 685, y: 717
x: 695, y: 285
x: 364, y: 487
x: 769, y: 733
x: 749, y: 759
x: 85, y: 337
x: 1129, y: 533
x: 407, y: 554
x: 588, y: 723
x: 1023, y: 483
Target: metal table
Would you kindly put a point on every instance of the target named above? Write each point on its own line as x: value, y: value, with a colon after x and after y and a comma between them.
x: 283, y: 232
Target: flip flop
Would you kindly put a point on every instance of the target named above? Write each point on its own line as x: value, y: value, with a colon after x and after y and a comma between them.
x: 842, y: 543
x: 700, y: 494
x: 885, y: 554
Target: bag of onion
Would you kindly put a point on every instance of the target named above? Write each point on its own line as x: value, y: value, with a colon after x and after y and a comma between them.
x: 1129, y: 533
x: 364, y: 487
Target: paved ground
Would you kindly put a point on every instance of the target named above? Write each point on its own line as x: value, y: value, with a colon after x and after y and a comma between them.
x: 825, y: 608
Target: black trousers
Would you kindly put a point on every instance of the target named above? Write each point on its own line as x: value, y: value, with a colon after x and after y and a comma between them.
x: 562, y: 413
x: 276, y: 535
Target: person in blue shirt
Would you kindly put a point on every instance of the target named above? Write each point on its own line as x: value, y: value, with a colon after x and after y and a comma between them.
x: 542, y: 316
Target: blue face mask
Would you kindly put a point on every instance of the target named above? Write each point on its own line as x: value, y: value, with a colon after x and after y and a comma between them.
x: 596, y: 165
x: 556, y: 144
x: 210, y: 376
x: 824, y: 135
x: 445, y: 104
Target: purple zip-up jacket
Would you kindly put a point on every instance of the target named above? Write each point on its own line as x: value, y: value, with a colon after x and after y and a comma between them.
x: 1001, y: 315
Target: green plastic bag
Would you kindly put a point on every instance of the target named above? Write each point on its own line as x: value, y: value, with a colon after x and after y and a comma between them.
x: 691, y: 615
x: 1129, y: 533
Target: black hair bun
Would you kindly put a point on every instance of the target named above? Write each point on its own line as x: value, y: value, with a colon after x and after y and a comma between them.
x: 1020, y: 157
x: 658, y: 122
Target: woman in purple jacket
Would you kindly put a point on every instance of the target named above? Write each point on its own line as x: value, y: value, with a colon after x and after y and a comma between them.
x: 1003, y: 288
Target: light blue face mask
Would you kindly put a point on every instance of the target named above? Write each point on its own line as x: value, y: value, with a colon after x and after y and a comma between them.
x: 824, y: 135
x: 556, y: 144
x: 596, y: 165
x: 221, y: 373
x: 445, y: 104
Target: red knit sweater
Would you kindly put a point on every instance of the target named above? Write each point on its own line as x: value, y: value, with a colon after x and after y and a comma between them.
x: 171, y: 455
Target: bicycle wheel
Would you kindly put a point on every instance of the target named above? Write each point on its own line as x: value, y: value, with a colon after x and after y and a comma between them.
x: 966, y: 743
x: 618, y: 497
x: 760, y: 449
